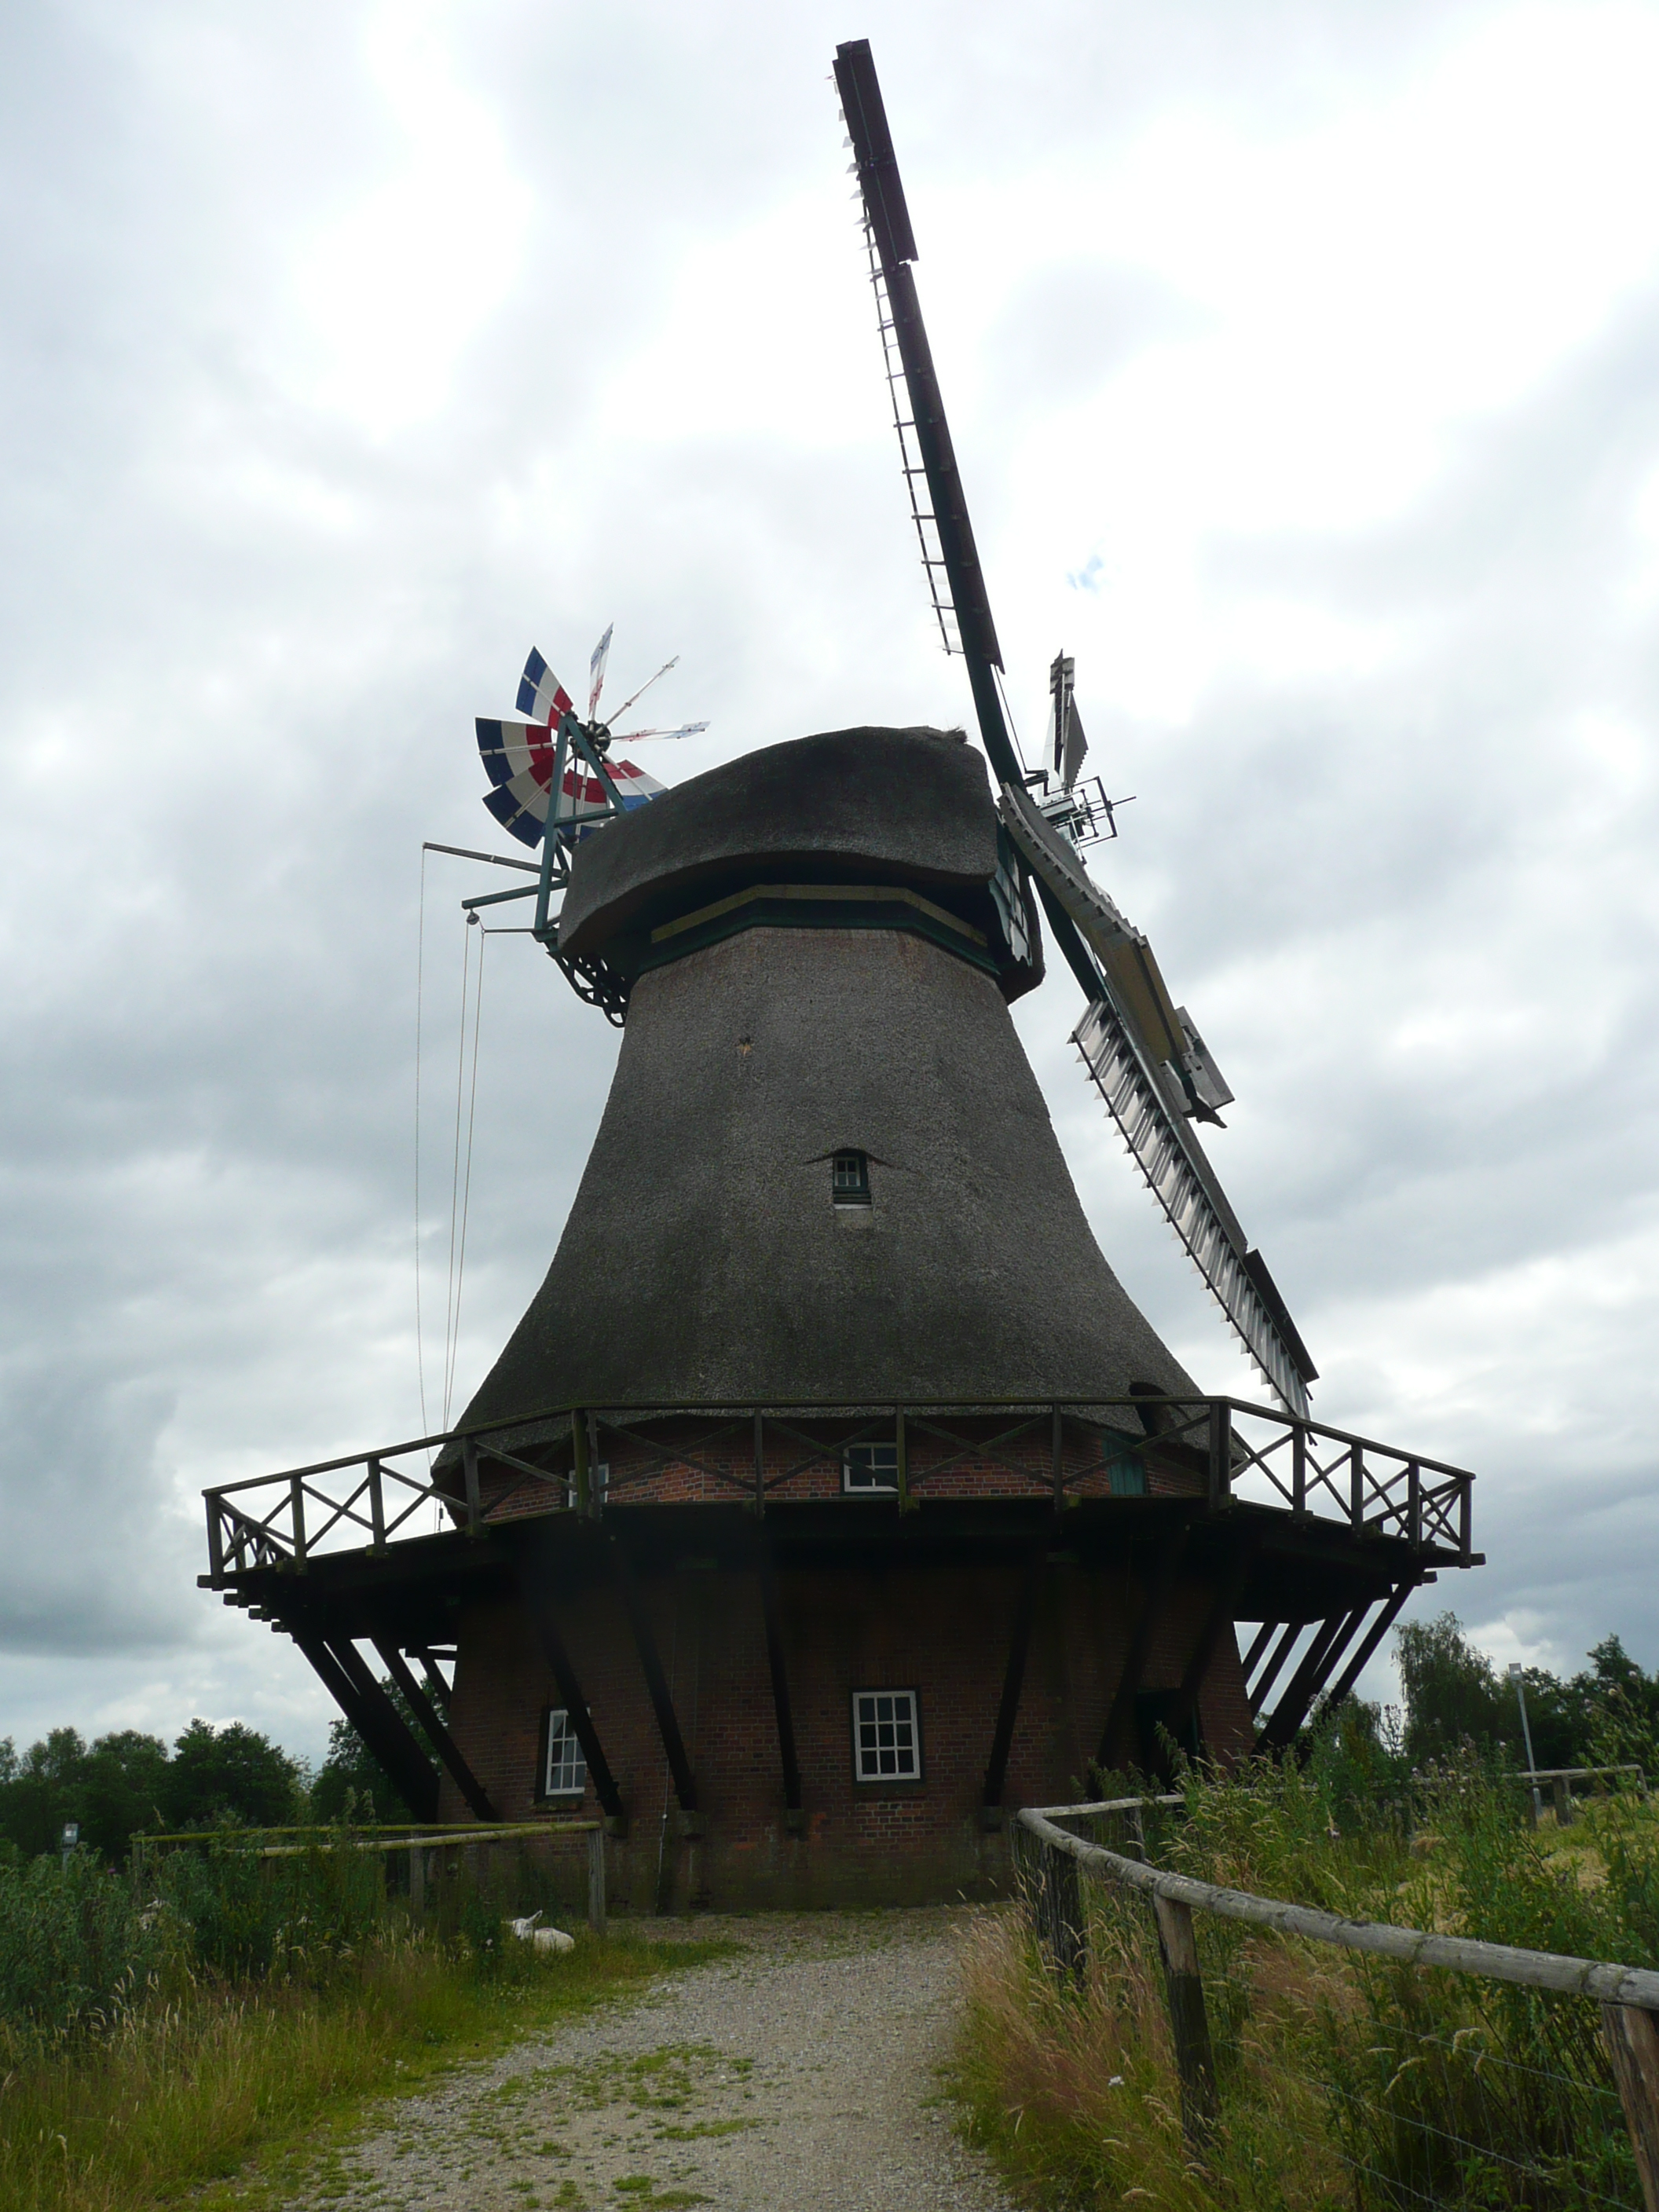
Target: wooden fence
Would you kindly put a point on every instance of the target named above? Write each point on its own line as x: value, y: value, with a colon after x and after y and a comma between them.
x: 422, y: 1841
x: 1628, y: 1995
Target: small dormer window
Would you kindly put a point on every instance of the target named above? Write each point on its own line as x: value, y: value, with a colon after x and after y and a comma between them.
x: 849, y: 1179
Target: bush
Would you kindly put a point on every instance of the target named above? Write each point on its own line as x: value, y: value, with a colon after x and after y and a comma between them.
x: 74, y: 1950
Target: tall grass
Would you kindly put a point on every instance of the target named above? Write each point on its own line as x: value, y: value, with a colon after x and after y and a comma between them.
x: 1344, y: 2081
x: 154, y: 2037
x: 173, y: 2097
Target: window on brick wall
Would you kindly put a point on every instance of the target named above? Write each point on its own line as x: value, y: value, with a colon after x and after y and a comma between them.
x: 886, y: 1736
x: 871, y: 1469
x: 849, y: 1179
x: 564, y: 1771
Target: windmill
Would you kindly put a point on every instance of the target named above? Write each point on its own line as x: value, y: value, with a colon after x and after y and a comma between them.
x: 831, y: 1493
x: 1143, y: 1053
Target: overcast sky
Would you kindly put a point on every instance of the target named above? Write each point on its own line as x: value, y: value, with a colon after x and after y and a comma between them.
x: 1303, y: 365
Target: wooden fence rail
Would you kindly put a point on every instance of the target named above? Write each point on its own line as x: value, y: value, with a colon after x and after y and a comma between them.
x: 1628, y: 1995
x: 419, y: 1839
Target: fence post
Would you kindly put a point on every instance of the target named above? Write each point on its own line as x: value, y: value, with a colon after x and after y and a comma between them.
x: 297, y: 1504
x: 1059, y: 1912
x: 1632, y: 2036
x: 376, y: 1505
x: 1189, y: 2026
x: 1561, y: 1791
x: 418, y: 1883
x: 596, y: 1878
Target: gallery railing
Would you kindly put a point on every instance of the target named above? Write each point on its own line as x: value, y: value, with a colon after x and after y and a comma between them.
x: 472, y: 1479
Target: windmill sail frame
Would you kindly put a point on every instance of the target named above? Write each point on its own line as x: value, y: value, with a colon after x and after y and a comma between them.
x: 1139, y: 1051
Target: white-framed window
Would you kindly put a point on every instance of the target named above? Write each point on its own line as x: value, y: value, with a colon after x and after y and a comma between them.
x: 871, y: 1469
x: 599, y: 1476
x: 565, y: 1772
x: 886, y: 1736
x: 849, y: 1178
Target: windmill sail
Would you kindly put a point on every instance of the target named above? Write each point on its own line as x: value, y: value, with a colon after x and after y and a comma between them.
x: 1140, y: 1049
x: 1064, y: 723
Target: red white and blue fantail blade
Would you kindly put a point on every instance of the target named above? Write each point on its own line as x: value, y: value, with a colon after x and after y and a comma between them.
x: 596, y: 670
x: 518, y: 758
x: 582, y: 794
x: 542, y: 697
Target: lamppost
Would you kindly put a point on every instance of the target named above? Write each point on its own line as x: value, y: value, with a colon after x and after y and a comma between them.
x: 1517, y: 1678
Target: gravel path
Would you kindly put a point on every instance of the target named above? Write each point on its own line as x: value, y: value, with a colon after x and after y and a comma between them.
x: 797, y: 2077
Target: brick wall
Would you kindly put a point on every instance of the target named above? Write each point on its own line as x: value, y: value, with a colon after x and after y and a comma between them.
x: 941, y: 1631
x: 671, y: 1461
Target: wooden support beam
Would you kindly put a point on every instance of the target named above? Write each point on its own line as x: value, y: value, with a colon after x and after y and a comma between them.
x: 529, y: 1565
x: 341, y: 1670
x: 1373, y: 1636
x: 1122, y: 1710
x: 1013, y: 1676
x: 656, y: 1682
x: 1282, y: 1651
x: 478, y: 1799
x: 1321, y: 1656
x: 775, y: 1656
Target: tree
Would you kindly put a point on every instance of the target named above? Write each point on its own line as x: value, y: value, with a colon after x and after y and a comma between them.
x: 231, y: 1772
x: 123, y: 1779
x: 41, y: 1790
x: 1452, y: 1693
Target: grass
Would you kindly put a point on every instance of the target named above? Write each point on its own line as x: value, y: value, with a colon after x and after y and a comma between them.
x: 1344, y: 2082
x: 225, y: 2092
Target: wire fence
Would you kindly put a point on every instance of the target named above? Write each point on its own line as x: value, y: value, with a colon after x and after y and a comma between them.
x: 1406, y: 2075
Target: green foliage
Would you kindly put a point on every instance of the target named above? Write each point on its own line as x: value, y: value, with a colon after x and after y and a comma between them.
x: 128, y: 1783
x: 184, y: 2094
x: 1453, y: 1697
x: 297, y: 1916
x: 75, y: 1949
x: 230, y: 1773
x: 1606, y: 1714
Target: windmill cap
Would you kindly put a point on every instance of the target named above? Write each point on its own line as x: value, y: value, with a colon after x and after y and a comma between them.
x: 904, y: 805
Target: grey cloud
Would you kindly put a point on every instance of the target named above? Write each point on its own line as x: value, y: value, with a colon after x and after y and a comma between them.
x: 242, y: 642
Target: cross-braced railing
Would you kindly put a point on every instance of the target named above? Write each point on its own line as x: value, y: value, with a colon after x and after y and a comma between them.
x: 590, y: 1459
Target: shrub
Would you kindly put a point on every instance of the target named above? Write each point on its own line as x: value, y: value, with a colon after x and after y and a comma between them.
x: 74, y: 1950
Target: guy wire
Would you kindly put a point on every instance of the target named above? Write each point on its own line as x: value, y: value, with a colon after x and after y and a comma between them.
x: 464, y: 1169
x: 420, y: 985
